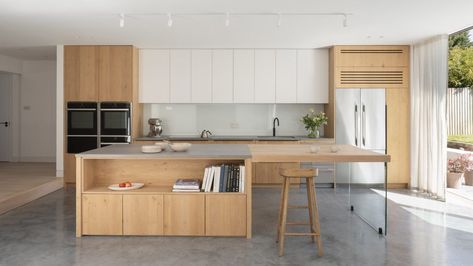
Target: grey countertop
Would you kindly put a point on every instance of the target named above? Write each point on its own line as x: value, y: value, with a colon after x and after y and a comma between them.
x: 133, y: 151
x: 229, y: 138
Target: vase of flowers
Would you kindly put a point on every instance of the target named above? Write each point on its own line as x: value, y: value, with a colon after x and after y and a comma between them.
x: 456, y: 170
x: 313, y: 121
x: 469, y: 170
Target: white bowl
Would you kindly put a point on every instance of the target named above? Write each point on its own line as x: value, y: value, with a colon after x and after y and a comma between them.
x: 314, y: 148
x: 151, y: 149
x: 335, y: 148
x: 180, y: 146
x: 162, y: 144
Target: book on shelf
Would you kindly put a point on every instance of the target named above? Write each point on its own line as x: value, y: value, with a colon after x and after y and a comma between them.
x: 186, y: 185
x: 224, y: 178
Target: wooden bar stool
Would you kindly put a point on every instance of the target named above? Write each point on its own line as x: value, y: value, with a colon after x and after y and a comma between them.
x: 308, y: 174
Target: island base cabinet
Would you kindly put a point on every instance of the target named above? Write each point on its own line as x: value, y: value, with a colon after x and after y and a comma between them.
x: 102, y: 214
x: 268, y: 173
x: 143, y: 215
x: 184, y: 215
x: 225, y: 215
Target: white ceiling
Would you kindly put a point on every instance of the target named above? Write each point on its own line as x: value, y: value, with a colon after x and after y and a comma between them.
x: 30, y: 29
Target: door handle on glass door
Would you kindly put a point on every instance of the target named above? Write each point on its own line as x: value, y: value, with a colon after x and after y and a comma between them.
x: 5, y: 123
x: 356, y: 125
x: 363, y: 126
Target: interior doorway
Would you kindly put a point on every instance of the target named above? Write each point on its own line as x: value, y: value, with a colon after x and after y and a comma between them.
x: 6, y: 100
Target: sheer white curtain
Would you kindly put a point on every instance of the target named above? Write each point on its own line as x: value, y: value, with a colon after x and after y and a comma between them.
x: 428, y: 116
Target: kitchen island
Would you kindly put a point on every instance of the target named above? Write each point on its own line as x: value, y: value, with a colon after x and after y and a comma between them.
x: 155, y: 210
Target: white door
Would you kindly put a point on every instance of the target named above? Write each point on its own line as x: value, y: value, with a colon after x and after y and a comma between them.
x: 5, y: 107
x: 180, y: 76
x: 265, y: 76
x: 312, y: 76
x: 222, y: 76
x: 201, y: 76
x: 154, y: 76
x: 244, y: 76
x: 286, y: 76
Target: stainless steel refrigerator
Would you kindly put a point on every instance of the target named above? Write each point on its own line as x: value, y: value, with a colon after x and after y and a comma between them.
x: 361, y: 121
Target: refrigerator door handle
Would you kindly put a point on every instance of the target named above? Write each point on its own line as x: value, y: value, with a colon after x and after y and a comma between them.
x: 356, y: 125
x: 363, y: 126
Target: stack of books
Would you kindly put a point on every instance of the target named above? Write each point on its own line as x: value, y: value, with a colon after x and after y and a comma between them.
x: 186, y: 185
x: 224, y: 178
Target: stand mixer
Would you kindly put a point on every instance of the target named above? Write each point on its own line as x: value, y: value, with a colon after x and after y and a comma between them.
x: 155, y: 127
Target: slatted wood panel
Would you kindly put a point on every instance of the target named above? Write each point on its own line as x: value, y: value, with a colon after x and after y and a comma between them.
x: 372, y: 56
x: 371, y: 77
x: 460, y: 111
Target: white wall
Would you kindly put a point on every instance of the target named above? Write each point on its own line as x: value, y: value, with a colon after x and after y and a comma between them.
x: 60, y: 110
x: 229, y: 119
x: 38, y: 111
x: 10, y: 64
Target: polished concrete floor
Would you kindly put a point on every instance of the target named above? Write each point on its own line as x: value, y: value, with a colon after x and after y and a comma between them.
x: 420, y: 232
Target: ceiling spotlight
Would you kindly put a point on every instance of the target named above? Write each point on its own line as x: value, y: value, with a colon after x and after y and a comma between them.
x: 169, y: 20
x: 122, y: 20
x: 227, y: 20
x: 279, y: 20
x: 345, y: 21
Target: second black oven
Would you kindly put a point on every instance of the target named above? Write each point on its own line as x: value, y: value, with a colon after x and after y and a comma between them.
x: 115, y: 119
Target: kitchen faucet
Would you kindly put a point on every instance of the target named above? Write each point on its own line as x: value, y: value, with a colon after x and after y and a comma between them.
x: 274, y: 126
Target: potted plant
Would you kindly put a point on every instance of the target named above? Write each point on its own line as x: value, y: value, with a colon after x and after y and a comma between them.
x: 456, y: 170
x: 313, y: 121
x: 469, y: 170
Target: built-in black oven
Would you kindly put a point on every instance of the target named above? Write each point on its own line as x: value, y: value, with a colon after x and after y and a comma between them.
x: 82, y: 129
x: 115, y: 119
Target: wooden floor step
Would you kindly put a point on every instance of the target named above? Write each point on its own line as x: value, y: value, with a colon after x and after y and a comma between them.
x: 302, y: 234
x: 298, y: 223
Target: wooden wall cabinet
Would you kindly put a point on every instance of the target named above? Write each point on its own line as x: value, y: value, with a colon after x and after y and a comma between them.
x: 80, y: 73
x: 115, y: 77
x: 143, y: 215
x: 102, y: 214
x: 184, y: 215
x: 384, y: 66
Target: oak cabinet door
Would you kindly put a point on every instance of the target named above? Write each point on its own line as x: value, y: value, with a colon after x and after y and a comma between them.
x: 184, y: 215
x: 101, y: 214
x: 80, y: 73
x: 154, y: 76
x: 268, y: 173
x: 115, y: 73
x: 142, y: 214
x: 225, y: 215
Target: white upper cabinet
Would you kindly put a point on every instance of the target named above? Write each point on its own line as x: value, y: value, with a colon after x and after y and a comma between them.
x: 222, y: 76
x: 244, y: 76
x: 265, y: 76
x: 312, y: 76
x: 180, y: 76
x: 154, y: 76
x: 286, y: 76
x: 201, y: 72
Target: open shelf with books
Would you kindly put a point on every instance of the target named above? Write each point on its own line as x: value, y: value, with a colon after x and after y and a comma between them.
x: 154, y: 209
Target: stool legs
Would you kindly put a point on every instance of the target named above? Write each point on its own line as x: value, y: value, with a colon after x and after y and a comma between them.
x: 282, y: 225
x: 310, y: 204
x: 281, y: 201
x: 315, y: 211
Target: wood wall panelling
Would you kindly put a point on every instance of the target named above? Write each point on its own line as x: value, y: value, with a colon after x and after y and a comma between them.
x: 372, y: 56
